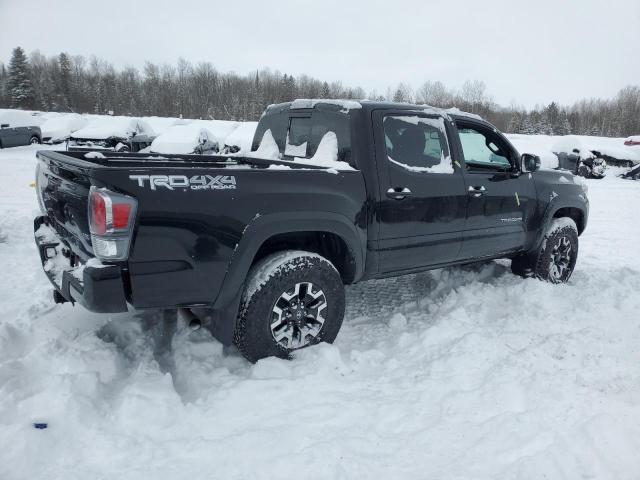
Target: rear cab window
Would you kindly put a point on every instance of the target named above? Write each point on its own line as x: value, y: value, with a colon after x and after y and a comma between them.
x: 298, y: 134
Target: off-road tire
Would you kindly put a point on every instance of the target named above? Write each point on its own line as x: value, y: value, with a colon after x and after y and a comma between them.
x: 266, y: 283
x: 34, y: 140
x: 539, y: 264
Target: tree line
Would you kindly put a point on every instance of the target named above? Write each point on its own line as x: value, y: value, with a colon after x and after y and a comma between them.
x: 77, y: 84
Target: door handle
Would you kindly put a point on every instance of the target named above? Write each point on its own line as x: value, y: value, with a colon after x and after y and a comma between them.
x: 477, y: 191
x: 398, y: 193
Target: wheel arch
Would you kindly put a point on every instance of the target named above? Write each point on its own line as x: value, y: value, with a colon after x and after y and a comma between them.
x: 576, y: 214
x: 329, y: 234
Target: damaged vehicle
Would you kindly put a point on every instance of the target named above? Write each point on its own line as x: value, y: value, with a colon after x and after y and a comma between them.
x: 585, y: 163
x: 186, y: 139
x: 117, y: 134
x: 633, y: 173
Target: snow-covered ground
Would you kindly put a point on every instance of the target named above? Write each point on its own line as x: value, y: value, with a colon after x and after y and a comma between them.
x: 465, y: 373
x: 545, y: 145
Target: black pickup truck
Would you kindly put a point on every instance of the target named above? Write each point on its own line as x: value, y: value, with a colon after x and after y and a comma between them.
x: 333, y: 192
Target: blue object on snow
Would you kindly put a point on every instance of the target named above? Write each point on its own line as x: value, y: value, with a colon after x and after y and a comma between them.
x: 40, y: 426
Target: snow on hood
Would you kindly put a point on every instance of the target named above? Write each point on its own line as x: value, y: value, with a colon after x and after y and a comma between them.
x: 18, y: 118
x: 60, y: 127
x: 105, y: 127
x: 181, y: 139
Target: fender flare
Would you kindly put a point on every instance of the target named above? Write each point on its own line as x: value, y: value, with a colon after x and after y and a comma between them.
x: 552, y: 209
x: 258, y: 231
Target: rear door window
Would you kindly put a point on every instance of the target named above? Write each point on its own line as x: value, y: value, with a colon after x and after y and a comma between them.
x: 417, y: 143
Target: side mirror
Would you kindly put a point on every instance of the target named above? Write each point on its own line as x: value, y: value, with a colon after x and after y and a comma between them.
x: 529, y: 162
x: 4, y: 125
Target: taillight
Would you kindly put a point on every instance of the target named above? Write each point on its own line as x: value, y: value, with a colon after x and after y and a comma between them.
x: 111, y: 219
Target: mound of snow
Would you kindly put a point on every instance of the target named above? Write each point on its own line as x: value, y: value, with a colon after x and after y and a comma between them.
x: 103, y: 127
x: 242, y: 137
x: 60, y: 127
x: 182, y: 139
x: 160, y: 125
x: 18, y: 118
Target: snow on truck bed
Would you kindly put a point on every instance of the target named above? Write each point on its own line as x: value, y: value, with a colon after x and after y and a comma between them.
x: 457, y: 373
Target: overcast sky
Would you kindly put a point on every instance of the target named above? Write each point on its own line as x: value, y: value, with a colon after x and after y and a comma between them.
x: 528, y: 52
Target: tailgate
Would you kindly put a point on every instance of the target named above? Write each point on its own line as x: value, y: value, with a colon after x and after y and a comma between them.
x: 63, y: 194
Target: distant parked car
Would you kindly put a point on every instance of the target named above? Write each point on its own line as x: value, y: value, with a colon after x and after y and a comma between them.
x: 586, y: 163
x: 632, y: 173
x: 118, y: 134
x: 18, y: 128
x: 632, y: 141
x: 185, y: 139
x: 59, y: 128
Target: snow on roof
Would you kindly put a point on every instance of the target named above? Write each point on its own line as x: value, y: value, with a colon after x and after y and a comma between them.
x: 181, y: 139
x: 18, y: 118
x: 62, y: 125
x: 220, y: 129
x: 100, y: 128
x: 312, y: 102
x: 162, y: 124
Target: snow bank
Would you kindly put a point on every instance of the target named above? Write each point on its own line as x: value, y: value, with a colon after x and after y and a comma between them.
x: 545, y: 145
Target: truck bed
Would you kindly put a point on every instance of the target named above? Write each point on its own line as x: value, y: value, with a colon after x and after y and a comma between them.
x: 108, y: 159
x: 194, y: 212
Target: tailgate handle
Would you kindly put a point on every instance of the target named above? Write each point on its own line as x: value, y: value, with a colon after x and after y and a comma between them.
x: 398, y: 193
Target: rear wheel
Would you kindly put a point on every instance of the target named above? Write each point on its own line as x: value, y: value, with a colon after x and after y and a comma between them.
x: 292, y: 299
x: 556, y: 258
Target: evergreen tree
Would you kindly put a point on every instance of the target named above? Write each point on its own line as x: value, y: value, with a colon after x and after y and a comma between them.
x: 325, y: 92
x: 65, y: 79
x: 20, y: 86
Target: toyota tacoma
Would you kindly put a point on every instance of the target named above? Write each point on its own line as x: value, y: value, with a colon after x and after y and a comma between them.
x: 332, y: 193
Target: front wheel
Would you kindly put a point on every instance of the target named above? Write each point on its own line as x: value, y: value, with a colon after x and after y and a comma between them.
x: 556, y: 258
x: 34, y: 140
x: 292, y: 299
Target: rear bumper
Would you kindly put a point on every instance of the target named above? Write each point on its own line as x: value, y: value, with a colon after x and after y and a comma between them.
x: 99, y: 288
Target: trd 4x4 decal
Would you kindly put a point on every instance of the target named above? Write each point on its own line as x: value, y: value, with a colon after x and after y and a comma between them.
x: 196, y: 182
